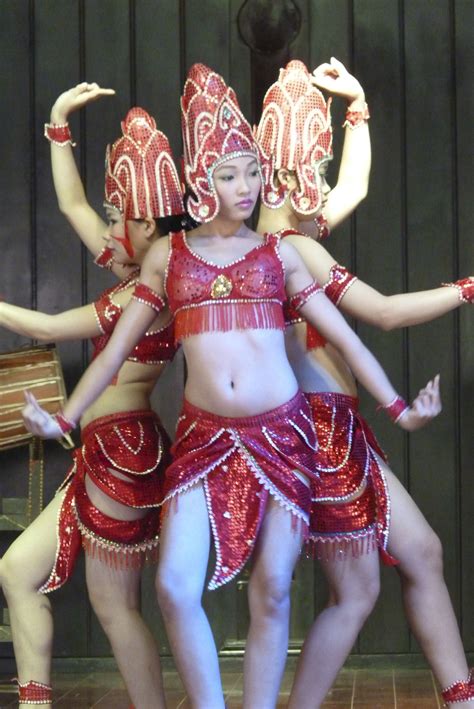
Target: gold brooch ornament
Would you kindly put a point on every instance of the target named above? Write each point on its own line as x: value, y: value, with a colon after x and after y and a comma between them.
x: 221, y: 287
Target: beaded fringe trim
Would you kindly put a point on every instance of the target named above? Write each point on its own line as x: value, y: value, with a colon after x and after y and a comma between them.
x: 223, y: 316
x: 340, y: 546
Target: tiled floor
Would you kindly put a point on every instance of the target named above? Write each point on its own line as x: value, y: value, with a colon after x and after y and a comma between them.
x: 361, y: 689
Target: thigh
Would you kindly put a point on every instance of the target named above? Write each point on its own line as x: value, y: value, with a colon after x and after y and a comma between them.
x: 185, y: 535
x: 114, y: 585
x: 278, y: 545
x: 31, y: 556
x: 111, y: 507
x: 409, y: 532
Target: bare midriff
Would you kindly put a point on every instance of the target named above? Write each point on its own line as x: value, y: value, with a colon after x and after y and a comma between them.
x: 238, y: 373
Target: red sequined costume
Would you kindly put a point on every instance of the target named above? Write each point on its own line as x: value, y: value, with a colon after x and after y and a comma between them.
x: 347, y: 461
x: 240, y: 461
x: 132, y: 444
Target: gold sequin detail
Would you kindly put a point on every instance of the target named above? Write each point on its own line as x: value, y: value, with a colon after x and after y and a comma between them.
x: 221, y: 287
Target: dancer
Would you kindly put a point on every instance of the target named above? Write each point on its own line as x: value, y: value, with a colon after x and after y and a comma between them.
x: 109, y: 500
x: 245, y: 443
x: 356, y: 500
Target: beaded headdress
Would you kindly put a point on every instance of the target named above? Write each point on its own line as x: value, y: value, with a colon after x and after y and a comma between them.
x: 214, y: 130
x: 294, y: 132
x: 141, y: 179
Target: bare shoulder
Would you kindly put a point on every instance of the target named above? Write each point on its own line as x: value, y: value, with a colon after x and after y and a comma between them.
x: 310, y: 250
x: 157, y: 257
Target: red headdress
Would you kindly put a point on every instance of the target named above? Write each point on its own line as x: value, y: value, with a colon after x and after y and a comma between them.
x: 214, y: 130
x: 140, y: 176
x: 295, y: 133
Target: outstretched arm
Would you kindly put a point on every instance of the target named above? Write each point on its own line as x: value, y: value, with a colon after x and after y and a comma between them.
x: 354, y: 169
x: 132, y: 325
x: 367, y: 304
x: 321, y: 313
x: 76, y: 324
x: 72, y: 199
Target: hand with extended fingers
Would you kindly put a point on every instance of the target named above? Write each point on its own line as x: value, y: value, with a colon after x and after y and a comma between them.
x: 424, y: 408
x: 38, y: 421
x: 76, y: 98
x: 334, y: 78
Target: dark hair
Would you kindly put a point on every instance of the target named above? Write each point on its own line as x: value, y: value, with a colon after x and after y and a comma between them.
x: 175, y: 223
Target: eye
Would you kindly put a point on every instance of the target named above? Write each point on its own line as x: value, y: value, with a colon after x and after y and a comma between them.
x: 226, y: 178
x: 254, y: 173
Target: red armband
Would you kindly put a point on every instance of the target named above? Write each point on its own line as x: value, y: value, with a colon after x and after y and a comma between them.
x: 58, y: 134
x: 65, y: 424
x: 338, y: 283
x: 395, y: 409
x: 465, y: 289
x: 355, y: 119
x: 322, y: 227
x: 299, y: 299
x: 146, y: 295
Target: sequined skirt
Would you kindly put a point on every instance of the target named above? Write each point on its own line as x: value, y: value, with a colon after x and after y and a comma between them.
x: 350, y: 509
x: 135, y: 446
x: 240, y: 462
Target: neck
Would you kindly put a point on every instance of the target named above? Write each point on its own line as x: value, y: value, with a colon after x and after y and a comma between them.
x: 273, y: 220
x: 220, y: 226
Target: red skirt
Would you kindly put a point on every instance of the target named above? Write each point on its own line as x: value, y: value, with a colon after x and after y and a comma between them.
x: 241, y: 461
x: 350, y: 502
x: 135, y: 445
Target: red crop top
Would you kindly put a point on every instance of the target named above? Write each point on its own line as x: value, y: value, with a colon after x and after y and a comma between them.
x: 247, y: 293
x: 155, y: 347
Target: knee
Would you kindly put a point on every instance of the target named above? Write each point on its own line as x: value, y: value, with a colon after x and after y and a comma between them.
x: 426, y: 559
x: 11, y: 574
x: 109, y: 605
x: 356, y: 602
x: 177, y: 591
x: 269, y: 596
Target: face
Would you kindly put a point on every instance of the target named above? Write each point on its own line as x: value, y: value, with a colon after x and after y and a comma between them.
x: 140, y: 233
x: 322, y: 171
x: 237, y: 183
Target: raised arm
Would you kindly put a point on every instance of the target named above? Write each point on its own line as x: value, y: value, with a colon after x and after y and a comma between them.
x: 354, y: 169
x: 72, y: 199
x: 147, y: 301
x: 321, y: 313
x: 367, y: 304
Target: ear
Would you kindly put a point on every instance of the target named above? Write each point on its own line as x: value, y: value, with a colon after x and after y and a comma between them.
x: 149, y: 225
x: 286, y: 178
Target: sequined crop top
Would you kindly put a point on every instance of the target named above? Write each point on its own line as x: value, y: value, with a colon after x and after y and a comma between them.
x: 155, y: 347
x: 247, y: 293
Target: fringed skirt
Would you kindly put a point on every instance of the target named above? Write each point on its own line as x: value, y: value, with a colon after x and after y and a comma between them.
x: 350, y: 509
x: 135, y: 446
x: 240, y: 462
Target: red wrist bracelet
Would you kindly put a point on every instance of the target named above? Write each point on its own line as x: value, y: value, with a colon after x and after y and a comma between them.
x: 58, y: 134
x: 354, y: 119
x: 465, y: 289
x: 395, y: 409
x: 65, y: 424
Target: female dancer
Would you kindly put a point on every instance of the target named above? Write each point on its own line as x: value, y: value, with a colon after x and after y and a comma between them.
x: 245, y: 444
x: 109, y: 499
x: 350, y: 508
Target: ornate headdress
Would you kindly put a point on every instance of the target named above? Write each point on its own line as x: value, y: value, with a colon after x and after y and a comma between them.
x: 214, y: 130
x: 295, y: 133
x: 140, y: 175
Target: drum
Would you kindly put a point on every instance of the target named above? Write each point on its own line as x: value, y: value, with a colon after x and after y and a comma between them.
x: 37, y: 369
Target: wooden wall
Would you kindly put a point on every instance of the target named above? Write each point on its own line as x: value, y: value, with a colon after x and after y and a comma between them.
x: 415, y: 60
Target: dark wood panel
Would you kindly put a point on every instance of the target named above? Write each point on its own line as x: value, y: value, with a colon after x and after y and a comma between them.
x: 433, y: 456
x: 206, y: 32
x: 464, y: 57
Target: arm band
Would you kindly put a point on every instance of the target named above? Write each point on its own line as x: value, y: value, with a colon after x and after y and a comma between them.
x: 65, y: 424
x: 355, y: 119
x: 395, y: 409
x: 146, y: 295
x: 58, y: 134
x: 338, y: 283
x: 299, y: 299
x: 465, y: 289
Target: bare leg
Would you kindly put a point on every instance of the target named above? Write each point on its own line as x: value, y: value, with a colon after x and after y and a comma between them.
x: 427, y: 603
x: 184, y: 553
x: 275, y: 557
x: 115, y: 597
x: 354, y: 583
x: 23, y: 569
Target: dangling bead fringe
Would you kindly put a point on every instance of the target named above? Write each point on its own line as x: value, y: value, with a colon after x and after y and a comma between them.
x: 462, y: 691
x: 339, y: 547
x: 223, y: 316
x: 120, y: 557
x: 33, y: 692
